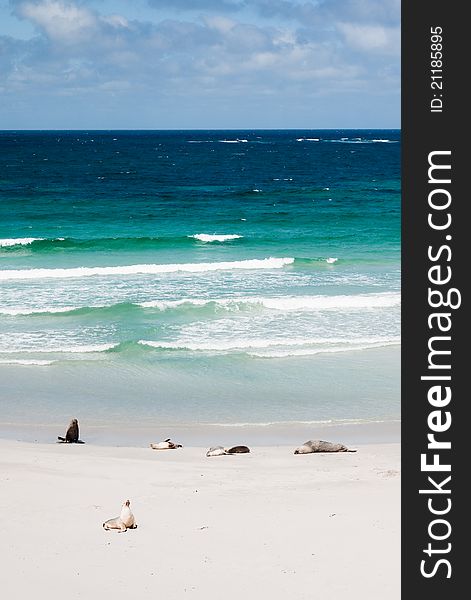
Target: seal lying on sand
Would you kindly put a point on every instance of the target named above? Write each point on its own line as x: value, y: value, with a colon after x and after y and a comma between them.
x: 216, y: 451
x: 166, y: 445
x: 321, y: 446
x: 72, y: 435
x: 237, y: 450
x: 220, y: 451
x: 124, y: 522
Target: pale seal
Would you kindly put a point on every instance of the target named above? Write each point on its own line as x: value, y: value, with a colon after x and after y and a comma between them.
x: 321, y: 446
x: 124, y: 522
x: 165, y: 445
x: 72, y: 435
x: 216, y: 451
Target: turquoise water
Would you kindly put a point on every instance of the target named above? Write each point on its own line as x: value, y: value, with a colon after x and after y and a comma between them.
x: 199, y: 277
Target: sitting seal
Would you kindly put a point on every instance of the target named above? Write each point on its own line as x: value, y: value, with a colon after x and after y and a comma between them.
x: 321, y: 446
x: 72, y: 435
x: 237, y: 450
x: 166, y: 445
x: 216, y: 451
x: 124, y: 522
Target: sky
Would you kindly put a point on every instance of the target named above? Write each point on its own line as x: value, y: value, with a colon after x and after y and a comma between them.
x: 199, y: 64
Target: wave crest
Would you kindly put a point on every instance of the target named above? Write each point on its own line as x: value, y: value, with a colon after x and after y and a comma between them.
x: 208, y: 238
x: 10, y: 242
x: 235, y: 304
x: 287, y: 303
x: 289, y: 345
x: 26, y: 362
x: 146, y: 269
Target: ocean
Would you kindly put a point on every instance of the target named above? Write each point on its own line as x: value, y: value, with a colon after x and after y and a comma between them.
x: 196, y: 277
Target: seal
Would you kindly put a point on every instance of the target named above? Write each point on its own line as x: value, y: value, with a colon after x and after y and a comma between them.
x: 72, y: 435
x: 237, y: 450
x: 320, y: 446
x: 220, y: 451
x: 165, y: 445
x: 216, y: 451
x: 124, y: 522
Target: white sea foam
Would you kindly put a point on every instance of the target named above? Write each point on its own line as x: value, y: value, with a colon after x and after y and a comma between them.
x: 146, y: 269
x: 282, y: 303
x: 275, y: 423
x: 224, y: 345
x: 288, y: 303
x: 360, y: 301
x: 83, y: 349
x: 297, y: 423
x: 18, y: 241
x: 237, y: 141
x: 362, y: 141
x: 13, y: 312
x: 206, y: 237
x: 86, y: 349
x: 307, y: 139
x: 15, y: 361
x: 334, y: 422
x: 305, y: 345
x: 170, y: 304
x: 334, y: 350
x: 331, y: 260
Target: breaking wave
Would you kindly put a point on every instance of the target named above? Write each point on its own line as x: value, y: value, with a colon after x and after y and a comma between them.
x: 234, y: 304
x: 205, y: 237
x: 146, y: 269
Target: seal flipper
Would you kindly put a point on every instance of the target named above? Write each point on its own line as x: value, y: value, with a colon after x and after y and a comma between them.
x: 61, y: 440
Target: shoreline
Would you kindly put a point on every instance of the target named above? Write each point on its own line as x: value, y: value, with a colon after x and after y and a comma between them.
x: 200, y: 435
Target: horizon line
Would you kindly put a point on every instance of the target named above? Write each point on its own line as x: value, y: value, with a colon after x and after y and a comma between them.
x: 217, y: 129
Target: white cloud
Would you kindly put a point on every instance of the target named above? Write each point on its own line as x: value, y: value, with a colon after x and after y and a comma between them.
x: 116, y: 21
x: 219, y: 23
x: 242, y: 59
x: 371, y: 37
x: 61, y: 21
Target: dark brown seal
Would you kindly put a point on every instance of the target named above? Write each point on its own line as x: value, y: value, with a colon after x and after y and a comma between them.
x: 237, y: 450
x: 72, y: 435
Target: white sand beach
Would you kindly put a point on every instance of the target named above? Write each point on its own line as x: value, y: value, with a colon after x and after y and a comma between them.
x: 267, y: 524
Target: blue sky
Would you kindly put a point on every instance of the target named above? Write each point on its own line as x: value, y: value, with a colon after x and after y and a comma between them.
x: 199, y: 64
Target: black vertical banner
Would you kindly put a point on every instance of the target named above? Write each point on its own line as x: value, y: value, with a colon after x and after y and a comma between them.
x: 435, y: 324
